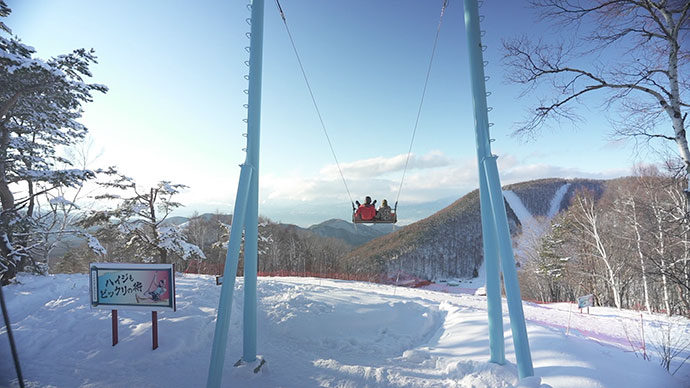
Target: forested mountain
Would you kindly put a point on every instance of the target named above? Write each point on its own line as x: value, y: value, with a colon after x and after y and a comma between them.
x: 449, y: 243
x: 446, y: 244
x: 350, y: 233
x: 626, y: 241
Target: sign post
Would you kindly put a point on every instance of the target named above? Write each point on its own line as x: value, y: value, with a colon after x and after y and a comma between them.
x: 114, y: 326
x: 149, y: 287
x: 154, y: 326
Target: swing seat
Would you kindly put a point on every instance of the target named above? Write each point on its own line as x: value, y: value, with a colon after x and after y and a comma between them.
x: 390, y: 220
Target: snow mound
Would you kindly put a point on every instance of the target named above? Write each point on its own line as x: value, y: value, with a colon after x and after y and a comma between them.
x: 347, y: 326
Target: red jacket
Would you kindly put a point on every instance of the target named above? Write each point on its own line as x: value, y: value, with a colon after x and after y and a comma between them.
x: 365, y: 212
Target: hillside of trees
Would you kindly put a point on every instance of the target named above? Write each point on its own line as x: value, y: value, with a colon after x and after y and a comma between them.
x: 282, y: 248
x: 449, y: 243
x: 627, y: 244
x: 446, y: 244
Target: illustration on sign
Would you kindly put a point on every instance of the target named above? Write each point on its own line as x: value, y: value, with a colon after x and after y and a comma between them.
x: 131, y: 285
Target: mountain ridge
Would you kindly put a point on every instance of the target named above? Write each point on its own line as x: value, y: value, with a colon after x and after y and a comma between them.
x: 448, y: 244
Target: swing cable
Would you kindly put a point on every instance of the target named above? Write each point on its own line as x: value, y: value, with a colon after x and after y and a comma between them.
x: 313, y: 99
x: 421, y: 102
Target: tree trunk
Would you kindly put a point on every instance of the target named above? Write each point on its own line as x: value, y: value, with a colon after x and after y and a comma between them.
x: 162, y: 252
x: 661, y: 251
x: 641, y: 256
x: 6, y: 196
x: 603, y: 254
x: 7, y: 202
x: 674, y: 106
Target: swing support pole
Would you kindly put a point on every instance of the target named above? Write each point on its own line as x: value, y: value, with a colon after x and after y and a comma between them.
x: 495, y: 231
x: 245, y: 219
x: 251, y: 221
x: 220, y: 335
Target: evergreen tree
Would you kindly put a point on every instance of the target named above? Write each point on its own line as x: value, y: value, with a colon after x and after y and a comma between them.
x: 40, y: 104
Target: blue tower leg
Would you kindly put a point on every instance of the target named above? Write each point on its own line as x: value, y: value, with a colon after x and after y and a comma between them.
x: 493, y: 279
x: 220, y: 336
x: 489, y: 233
x: 505, y: 249
x: 252, y: 218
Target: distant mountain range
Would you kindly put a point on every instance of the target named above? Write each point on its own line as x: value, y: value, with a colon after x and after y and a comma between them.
x: 354, y: 235
x: 179, y: 220
x: 446, y: 244
x: 313, y: 214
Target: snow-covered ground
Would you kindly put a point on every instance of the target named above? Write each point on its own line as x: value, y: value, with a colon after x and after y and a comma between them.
x: 317, y: 333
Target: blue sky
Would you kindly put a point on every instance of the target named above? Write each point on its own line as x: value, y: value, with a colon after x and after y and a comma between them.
x: 175, y: 107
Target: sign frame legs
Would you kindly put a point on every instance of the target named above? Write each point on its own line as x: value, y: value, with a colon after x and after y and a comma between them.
x: 154, y: 327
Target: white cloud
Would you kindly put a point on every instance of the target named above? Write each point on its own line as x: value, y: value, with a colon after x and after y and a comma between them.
x: 379, y: 166
x: 435, y: 178
x: 512, y: 170
x: 447, y: 178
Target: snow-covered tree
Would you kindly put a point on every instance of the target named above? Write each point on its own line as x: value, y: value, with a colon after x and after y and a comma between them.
x: 550, y: 263
x: 40, y: 103
x: 136, y: 225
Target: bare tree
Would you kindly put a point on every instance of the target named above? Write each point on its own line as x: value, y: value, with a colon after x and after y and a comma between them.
x: 634, y: 50
x: 631, y: 215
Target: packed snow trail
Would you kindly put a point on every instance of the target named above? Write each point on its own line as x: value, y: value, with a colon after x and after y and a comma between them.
x: 555, y: 205
x: 526, y: 219
x: 532, y: 228
x: 313, y: 333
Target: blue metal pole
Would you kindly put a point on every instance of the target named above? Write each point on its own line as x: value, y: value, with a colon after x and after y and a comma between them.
x: 510, y: 280
x: 489, y: 236
x: 220, y: 336
x: 493, y: 279
x: 251, y: 222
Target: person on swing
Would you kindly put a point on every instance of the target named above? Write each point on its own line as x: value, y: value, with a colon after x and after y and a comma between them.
x: 384, y: 213
x: 366, y: 211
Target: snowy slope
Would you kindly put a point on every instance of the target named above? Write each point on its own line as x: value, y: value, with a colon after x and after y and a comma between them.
x: 532, y: 228
x: 314, y: 333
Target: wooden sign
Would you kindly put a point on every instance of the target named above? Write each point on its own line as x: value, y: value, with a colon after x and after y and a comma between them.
x: 132, y: 286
